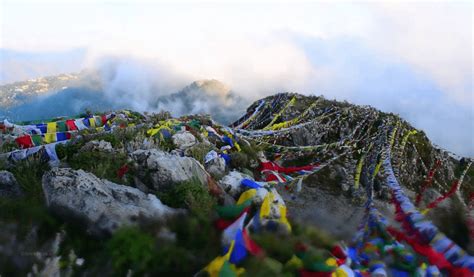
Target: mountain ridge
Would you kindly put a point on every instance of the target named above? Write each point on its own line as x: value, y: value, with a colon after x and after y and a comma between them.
x: 330, y: 165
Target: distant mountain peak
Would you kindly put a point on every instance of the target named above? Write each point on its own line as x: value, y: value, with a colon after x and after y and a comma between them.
x: 212, y: 87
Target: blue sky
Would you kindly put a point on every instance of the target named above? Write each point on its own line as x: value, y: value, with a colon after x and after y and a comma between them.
x: 413, y: 58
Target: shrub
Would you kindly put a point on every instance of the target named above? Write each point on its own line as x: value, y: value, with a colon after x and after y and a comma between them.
x: 109, y: 137
x: 239, y: 160
x: 131, y: 248
x: 157, y: 117
x: 166, y: 144
x: 199, y: 151
x: 251, y: 150
x: 261, y: 267
x: 191, y: 195
x: 68, y: 150
x: 103, y: 165
x: 27, y: 214
x: 136, y: 249
x: 279, y: 247
x: 198, y: 236
x: 313, y: 236
x: 28, y: 173
x: 8, y: 146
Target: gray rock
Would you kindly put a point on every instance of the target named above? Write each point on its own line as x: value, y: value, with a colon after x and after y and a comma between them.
x: 163, y: 170
x: 216, y: 167
x: 184, y: 140
x: 101, y: 146
x: 335, y: 214
x: 140, y: 141
x: 9, y: 187
x: 231, y: 183
x: 102, y: 205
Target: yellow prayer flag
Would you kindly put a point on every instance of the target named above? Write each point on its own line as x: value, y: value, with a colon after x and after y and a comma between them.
x: 266, y: 205
x: 237, y: 146
x: 377, y: 168
x: 358, y: 172
x: 283, y: 218
x: 249, y: 194
x: 214, y: 267
x: 152, y: 132
x: 239, y: 271
x: 51, y: 127
x: 92, y: 122
x: 50, y: 137
x: 295, y: 262
x: 340, y: 273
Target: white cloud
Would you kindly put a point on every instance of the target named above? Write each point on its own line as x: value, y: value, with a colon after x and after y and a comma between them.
x: 436, y: 38
x: 366, y: 51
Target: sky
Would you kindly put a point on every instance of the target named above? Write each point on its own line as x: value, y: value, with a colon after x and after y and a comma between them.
x: 411, y: 58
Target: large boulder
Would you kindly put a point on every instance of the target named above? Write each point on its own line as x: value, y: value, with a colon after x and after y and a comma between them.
x: 102, y: 205
x: 163, y: 170
x: 9, y: 187
x: 184, y: 140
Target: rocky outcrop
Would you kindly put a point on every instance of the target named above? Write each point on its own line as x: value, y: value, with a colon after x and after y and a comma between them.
x: 163, y: 170
x: 102, y: 205
x: 183, y: 140
x: 9, y: 187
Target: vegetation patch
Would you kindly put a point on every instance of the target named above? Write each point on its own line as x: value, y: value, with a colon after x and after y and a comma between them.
x: 103, y: 165
x: 191, y: 195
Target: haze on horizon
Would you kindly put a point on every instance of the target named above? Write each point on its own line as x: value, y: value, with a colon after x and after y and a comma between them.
x: 414, y: 59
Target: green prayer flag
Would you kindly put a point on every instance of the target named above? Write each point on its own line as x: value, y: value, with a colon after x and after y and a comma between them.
x: 37, y: 139
x: 232, y: 211
x: 61, y: 125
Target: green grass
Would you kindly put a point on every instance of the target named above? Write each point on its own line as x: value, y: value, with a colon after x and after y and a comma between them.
x: 131, y: 248
x: 103, y: 165
x: 28, y: 173
x: 199, y: 151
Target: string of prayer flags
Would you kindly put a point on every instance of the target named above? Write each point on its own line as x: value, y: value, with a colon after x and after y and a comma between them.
x: 426, y: 233
x: 251, y: 117
x: 277, y: 116
x: 454, y: 188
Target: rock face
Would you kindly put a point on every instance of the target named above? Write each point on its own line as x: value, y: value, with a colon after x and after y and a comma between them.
x: 320, y: 207
x: 102, y: 205
x: 164, y: 170
x: 184, y: 140
x: 9, y: 187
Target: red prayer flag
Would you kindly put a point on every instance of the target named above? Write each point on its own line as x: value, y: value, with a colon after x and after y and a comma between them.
x: 440, y: 199
x: 103, y: 119
x: 427, y: 183
x: 71, y: 126
x: 122, y: 171
x: 251, y: 245
x: 24, y: 141
x: 434, y: 257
